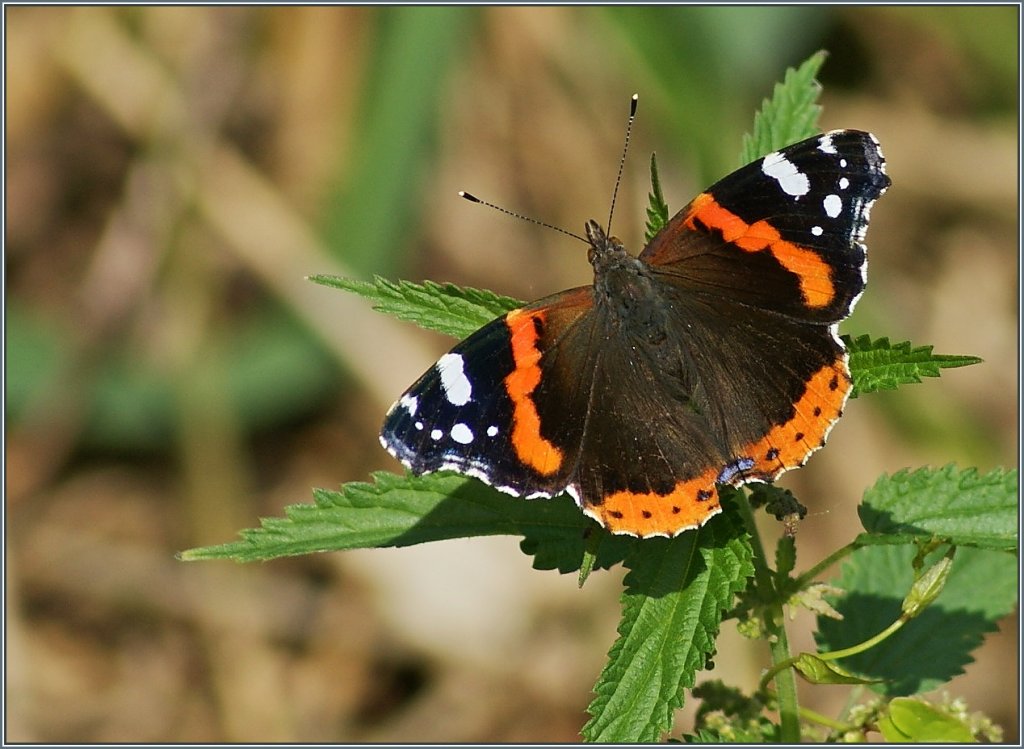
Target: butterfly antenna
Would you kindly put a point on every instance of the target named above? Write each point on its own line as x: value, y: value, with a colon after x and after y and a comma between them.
x: 474, y: 199
x: 622, y: 161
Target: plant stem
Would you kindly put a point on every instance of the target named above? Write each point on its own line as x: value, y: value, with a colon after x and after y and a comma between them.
x: 774, y: 624
x: 824, y: 720
x: 835, y: 556
x: 777, y: 668
x: 785, y: 680
x: 810, y: 715
x: 867, y: 644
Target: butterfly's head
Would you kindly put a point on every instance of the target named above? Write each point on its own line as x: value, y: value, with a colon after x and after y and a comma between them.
x: 602, y: 247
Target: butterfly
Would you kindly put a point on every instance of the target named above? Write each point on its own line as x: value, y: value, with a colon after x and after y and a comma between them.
x: 710, y: 358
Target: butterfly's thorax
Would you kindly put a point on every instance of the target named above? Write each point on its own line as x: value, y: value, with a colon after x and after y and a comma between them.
x: 623, y: 287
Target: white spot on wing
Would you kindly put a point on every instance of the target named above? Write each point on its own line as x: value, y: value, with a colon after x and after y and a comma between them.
x: 833, y: 205
x: 462, y: 434
x: 419, y: 426
x: 491, y: 431
x: 791, y: 180
x: 843, y: 183
x: 436, y: 434
x: 457, y: 388
x: 410, y: 403
x: 825, y: 144
x: 817, y: 231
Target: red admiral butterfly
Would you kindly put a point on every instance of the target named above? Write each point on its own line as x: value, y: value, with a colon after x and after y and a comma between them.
x: 712, y: 358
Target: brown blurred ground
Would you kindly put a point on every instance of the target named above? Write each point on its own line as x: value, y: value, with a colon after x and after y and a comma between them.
x: 166, y: 172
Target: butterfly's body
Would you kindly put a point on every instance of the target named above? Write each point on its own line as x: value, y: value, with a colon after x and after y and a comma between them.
x: 712, y: 357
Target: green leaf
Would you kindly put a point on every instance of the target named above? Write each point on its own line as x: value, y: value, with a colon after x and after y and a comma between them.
x: 791, y: 114
x: 734, y: 731
x: 586, y: 567
x: 814, y: 599
x: 657, y: 210
x: 599, y: 545
x: 785, y: 560
x: 406, y: 510
x: 676, y: 592
x: 968, y: 508
x: 572, y: 550
x: 879, y: 365
x: 928, y: 586
x: 786, y: 587
x: 718, y: 697
x: 934, y: 647
x: 446, y: 308
x: 817, y: 671
x: 727, y: 716
x: 912, y: 721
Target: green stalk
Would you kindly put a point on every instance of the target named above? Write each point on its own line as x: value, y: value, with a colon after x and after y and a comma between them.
x: 785, y: 678
x: 808, y: 577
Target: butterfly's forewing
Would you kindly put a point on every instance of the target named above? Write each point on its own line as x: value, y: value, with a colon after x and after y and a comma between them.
x: 762, y: 266
x: 475, y: 411
x: 784, y: 233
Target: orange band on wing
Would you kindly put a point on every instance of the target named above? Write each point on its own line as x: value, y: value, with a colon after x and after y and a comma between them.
x: 789, y: 445
x: 531, y: 448
x: 688, y: 505
x: 692, y: 503
x: 812, y: 272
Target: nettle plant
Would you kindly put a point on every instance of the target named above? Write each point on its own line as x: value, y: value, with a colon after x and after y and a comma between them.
x: 931, y: 573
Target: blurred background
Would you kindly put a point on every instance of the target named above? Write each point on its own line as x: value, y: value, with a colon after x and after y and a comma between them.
x: 173, y: 174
